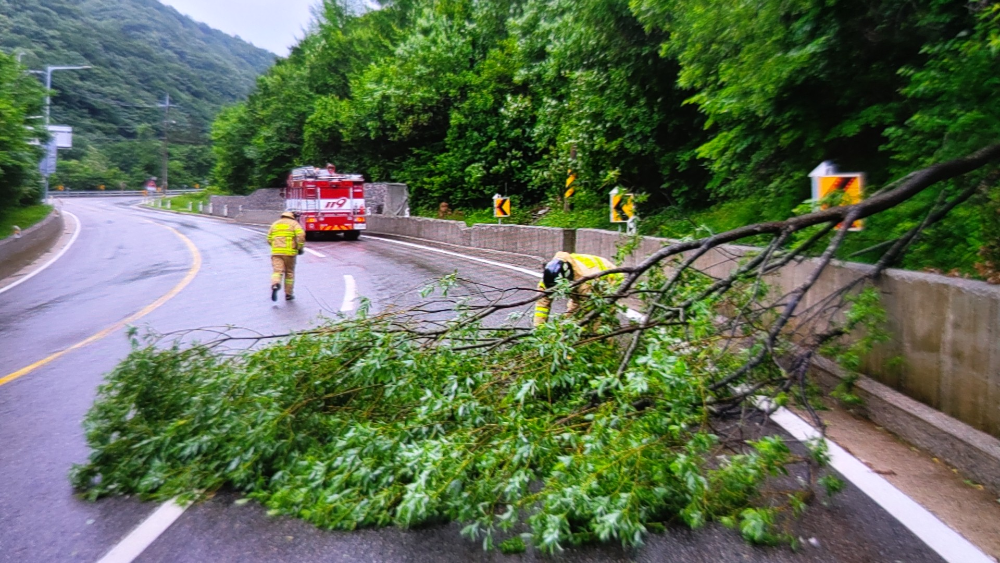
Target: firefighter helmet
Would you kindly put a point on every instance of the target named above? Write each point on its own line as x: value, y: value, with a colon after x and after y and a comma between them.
x: 554, y: 270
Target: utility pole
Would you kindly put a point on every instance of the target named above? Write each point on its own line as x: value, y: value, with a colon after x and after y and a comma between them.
x: 166, y: 140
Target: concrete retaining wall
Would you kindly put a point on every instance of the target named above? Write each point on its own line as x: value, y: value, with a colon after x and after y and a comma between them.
x: 16, y: 253
x: 945, y: 332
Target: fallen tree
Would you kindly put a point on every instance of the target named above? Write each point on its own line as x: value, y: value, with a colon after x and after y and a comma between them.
x: 589, y: 428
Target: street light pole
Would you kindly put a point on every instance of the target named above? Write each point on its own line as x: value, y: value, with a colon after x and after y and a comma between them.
x: 48, y: 105
x: 48, y: 86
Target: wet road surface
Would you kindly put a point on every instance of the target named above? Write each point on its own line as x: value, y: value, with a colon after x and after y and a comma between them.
x: 127, y: 259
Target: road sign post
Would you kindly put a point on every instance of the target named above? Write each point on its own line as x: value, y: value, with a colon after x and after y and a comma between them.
x: 501, y: 207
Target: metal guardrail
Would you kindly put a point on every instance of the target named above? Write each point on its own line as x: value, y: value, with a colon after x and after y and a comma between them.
x: 120, y: 193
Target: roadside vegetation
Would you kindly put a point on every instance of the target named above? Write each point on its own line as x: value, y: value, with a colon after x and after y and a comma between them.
x: 20, y: 101
x: 714, y: 112
x: 23, y: 217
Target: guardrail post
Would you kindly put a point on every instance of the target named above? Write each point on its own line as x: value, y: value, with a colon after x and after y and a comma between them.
x: 210, y: 208
x: 201, y: 207
x: 189, y: 205
x: 168, y: 204
x: 225, y: 210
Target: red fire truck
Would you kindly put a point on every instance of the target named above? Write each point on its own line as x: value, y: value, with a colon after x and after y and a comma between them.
x: 326, y: 201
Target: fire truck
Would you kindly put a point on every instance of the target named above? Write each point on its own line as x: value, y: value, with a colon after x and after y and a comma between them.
x: 326, y: 201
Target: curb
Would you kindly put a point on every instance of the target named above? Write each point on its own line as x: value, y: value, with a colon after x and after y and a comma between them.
x: 16, y: 253
x: 973, y: 452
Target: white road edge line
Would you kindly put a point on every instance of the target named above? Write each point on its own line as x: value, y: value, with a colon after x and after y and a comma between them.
x: 350, y: 294
x: 474, y: 259
x: 947, y: 543
x: 145, y: 533
x: 79, y: 227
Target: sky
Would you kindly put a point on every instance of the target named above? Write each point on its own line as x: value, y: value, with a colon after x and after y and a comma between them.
x: 275, y: 25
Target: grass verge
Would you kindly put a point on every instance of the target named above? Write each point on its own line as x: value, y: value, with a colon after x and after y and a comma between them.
x: 23, y: 217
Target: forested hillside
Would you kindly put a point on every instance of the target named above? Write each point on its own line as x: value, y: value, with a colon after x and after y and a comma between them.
x: 140, y: 51
x: 698, y: 104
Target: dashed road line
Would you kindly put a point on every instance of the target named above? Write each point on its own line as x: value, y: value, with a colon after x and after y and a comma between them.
x: 145, y: 533
x: 76, y: 233
x: 314, y: 253
x: 350, y: 294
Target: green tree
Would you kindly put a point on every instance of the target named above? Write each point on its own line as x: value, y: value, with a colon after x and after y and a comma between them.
x: 20, y: 100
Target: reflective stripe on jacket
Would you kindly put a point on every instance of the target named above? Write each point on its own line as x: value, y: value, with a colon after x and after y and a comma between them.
x: 286, y: 237
x: 584, y: 265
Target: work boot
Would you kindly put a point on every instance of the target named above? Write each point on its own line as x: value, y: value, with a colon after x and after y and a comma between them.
x: 289, y: 298
x: 274, y: 292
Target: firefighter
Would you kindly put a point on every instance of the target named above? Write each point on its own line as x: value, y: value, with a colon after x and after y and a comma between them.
x: 287, y: 240
x: 571, y: 267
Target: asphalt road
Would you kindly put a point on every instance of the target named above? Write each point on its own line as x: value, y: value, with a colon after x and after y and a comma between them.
x: 215, y: 273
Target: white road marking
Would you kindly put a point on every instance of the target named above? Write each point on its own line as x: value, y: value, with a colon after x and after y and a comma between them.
x: 350, y: 294
x: 145, y: 533
x: 948, y: 543
x: 254, y: 231
x: 79, y: 227
x: 457, y: 255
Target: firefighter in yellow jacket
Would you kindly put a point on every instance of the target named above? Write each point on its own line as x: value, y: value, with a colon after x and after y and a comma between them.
x: 287, y: 240
x: 571, y: 267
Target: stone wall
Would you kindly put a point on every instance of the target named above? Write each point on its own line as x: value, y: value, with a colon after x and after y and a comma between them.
x: 16, y: 253
x: 267, y: 199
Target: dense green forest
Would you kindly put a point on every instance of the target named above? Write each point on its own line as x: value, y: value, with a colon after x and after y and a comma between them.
x: 140, y: 51
x: 697, y: 104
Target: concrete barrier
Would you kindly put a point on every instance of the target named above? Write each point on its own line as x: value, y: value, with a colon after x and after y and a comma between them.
x: 945, y: 332
x: 16, y: 253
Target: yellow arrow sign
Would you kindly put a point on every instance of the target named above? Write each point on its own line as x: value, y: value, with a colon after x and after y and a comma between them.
x: 501, y: 207
x: 622, y: 208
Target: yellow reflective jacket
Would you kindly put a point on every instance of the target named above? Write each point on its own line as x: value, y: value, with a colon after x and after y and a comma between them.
x: 583, y: 265
x: 286, y: 237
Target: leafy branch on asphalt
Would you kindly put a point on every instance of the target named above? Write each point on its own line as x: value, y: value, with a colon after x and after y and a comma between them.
x: 590, y: 428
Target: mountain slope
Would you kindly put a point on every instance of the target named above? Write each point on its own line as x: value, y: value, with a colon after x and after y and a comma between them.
x: 140, y: 50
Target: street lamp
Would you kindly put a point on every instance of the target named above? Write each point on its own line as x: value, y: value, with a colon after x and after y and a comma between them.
x: 48, y: 85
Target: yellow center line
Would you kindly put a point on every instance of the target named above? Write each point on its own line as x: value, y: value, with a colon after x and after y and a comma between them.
x: 192, y: 272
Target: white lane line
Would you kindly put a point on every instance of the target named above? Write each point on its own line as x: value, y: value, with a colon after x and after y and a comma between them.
x: 79, y: 227
x: 457, y: 255
x: 254, y: 231
x: 145, y: 534
x: 948, y: 543
x: 350, y: 294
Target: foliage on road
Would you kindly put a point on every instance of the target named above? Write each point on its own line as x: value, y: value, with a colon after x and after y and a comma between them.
x: 360, y: 424
x: 140, y: 50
